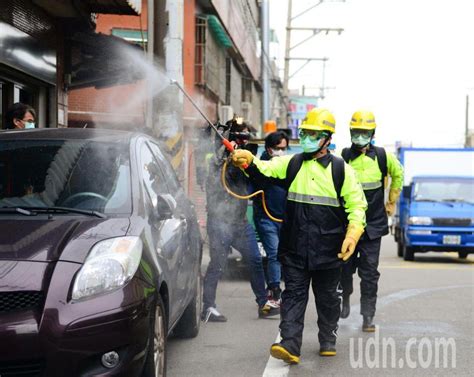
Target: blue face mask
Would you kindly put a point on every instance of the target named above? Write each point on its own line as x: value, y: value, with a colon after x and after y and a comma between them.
x: 29, y: 125
x: 310, y: 145
x: 360, y: 140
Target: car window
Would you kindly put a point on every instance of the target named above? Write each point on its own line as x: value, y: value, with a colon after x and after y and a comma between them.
x: 171, y: 179
x: 153, y: 177
x: 83, y: 174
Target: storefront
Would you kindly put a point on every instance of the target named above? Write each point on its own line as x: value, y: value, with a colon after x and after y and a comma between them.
x: 45, y: 50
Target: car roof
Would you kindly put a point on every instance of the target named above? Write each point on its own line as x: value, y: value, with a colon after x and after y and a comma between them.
x: 68, y: 134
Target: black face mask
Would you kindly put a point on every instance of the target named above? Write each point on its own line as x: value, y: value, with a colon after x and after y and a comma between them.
x: 239, y: 137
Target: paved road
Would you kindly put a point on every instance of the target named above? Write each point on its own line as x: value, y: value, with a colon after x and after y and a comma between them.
x: 425, y: 313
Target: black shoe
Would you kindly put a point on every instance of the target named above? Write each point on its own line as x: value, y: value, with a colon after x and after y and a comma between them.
x: 269, y: 309
x: 275, y: 294
x: 368, y: 324
x: 212, y: 315
x: 346, y: 306
x: 327, y: 349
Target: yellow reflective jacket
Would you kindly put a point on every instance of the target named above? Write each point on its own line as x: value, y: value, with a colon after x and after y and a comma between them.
x: 369, y: 174
x: 315, y: 219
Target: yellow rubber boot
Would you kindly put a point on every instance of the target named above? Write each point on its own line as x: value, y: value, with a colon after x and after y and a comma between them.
x: 281, y: 353
x: 327, y: 349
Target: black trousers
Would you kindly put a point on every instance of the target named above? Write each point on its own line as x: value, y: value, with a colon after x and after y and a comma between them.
x: 366, y: 261
x: 295, y: 299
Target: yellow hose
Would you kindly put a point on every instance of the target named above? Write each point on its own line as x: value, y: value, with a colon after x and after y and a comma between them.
x: 246, y: 197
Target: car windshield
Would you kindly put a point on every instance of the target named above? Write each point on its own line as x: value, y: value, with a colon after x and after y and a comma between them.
x: 446, y: 191
x: 81, y: 174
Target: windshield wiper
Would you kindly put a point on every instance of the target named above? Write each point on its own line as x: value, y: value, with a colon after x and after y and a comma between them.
x: 68, y: 210
x: 456, y: 200
x: 434, y: 201
x: 19, y: 210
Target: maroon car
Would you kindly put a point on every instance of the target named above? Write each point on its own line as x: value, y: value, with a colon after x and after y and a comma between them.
x: 100, y: 254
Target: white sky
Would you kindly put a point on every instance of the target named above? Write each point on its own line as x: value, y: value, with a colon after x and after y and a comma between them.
x: 411, y: 62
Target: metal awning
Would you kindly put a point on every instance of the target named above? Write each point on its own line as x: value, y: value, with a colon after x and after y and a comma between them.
x: 114, y: 6
x: 218, y: 31
x: 71, y: 9
x: 100, y: 60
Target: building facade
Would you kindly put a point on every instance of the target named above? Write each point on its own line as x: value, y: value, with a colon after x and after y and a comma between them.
x: 49, y: 47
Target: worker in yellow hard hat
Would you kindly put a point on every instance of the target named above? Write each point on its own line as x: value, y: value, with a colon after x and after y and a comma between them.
x: 372, y: 165
x: 323, y: 220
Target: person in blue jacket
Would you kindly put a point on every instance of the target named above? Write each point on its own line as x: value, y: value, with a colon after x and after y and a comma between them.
x: 276, y: 144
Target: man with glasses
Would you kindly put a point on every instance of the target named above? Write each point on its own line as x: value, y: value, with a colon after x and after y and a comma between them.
x: 372, y: 164
x: 227, y: 226
x: 276, y: 145
x: 20, y: 116
x: 323, y: 221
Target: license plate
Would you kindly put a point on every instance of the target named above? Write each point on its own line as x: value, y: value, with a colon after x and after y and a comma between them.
x: 452, y: 240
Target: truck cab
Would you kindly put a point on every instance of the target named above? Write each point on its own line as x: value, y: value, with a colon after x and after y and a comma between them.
x: 436, y: 208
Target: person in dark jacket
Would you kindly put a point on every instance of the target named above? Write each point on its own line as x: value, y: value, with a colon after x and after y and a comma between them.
x: 268, y: 229
x: 227, y: 227
x: 372, y: 164
x: 324, y: 219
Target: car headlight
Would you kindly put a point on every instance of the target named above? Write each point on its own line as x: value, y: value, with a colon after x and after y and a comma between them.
x: 415, y: 220
x: 110, y: 264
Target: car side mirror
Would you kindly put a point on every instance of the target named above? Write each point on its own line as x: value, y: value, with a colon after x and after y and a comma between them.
x: 165, y: 207
x: 406, y: 192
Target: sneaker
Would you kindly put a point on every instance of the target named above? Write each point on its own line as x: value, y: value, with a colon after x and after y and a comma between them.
x: 269, y: 309
x: 327, y: 349
x: 212, y: 315
x: 276, y: 295
x: 279, y: 352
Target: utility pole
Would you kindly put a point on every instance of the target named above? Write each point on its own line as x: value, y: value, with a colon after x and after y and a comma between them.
x: 151, y: 57
x: 265, y: 63
x: 466, y: 132
x: 289, y: 47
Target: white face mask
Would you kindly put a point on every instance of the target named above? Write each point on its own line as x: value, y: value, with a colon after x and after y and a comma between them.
x: 277, y: 152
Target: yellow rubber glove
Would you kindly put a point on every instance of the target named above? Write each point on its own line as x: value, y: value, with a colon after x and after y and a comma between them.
x: 391, y: 204
x: 241, y: 158
x: 353, y: 234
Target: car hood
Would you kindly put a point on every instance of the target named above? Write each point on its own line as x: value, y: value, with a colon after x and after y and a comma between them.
x: 67, y: 238
x: 441, y: 209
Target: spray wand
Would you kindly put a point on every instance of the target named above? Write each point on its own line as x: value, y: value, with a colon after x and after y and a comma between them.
x: 226, y: 142
x: 230, y: 148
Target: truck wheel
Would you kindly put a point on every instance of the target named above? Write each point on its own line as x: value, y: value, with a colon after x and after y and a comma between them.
x: 408, y: 253
x: 463, y: 254
x: 400, y: 249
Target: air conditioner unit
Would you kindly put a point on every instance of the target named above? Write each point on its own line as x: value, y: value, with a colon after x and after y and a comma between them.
x: 226, y: 113
x: 247, y: 111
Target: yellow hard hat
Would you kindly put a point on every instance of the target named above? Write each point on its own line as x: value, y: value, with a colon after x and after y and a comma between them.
x: 319, y: 120
x: 363, y: 120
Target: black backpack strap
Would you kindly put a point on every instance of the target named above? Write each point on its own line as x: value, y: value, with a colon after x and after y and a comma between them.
x: 293, y: 168
x: 338, y: 174
x: 382, y: 161
x: 346, y: 152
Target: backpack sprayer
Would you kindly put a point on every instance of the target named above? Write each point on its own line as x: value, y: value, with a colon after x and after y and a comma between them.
x: 230, y: 148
